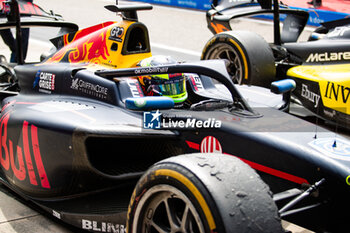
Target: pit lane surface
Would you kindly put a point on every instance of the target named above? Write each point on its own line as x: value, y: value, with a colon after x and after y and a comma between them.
x: 176, y: 32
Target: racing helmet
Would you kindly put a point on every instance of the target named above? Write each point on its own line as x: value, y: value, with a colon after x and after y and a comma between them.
x: 170, y: 85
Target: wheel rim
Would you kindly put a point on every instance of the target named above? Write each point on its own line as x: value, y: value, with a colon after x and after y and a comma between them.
x: 224, y: 51
x: 165, y: 209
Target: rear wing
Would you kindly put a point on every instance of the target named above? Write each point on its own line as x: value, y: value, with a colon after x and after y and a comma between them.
x: 219, y: 17
x: 21, y: 14
x: 25, y: 9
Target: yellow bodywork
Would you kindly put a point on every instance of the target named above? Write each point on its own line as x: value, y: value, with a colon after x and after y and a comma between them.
x: 99, y: 45
x: 333, y: 80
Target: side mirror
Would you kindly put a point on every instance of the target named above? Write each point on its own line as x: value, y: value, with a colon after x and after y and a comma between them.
x: 149, y: 103
x: 285, y: 87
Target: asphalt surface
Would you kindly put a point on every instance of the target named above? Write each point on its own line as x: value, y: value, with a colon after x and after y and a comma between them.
x: 176, y: 32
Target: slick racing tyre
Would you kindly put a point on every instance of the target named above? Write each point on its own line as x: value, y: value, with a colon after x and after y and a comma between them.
x: 200, y: 193
x: 251, y: 60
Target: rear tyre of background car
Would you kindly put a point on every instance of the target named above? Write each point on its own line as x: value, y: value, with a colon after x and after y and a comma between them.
x: 250, y: 56
x: 202, y: 193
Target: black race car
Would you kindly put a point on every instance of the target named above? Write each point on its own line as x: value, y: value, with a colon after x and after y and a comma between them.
x: 80, y: 139
x: 318, y: 65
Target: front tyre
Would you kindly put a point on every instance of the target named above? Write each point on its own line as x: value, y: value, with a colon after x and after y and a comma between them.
x: 250, y: 57
x: 201, y: 193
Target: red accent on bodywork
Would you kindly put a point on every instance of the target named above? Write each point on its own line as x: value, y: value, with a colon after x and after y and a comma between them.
x: 39, y: 163
x: 20, y: 172
x: 5, y: 161
x: 16, y: 160
x: 26, y: 8
x: 193, y: 145
x: 262, y: 168
x: 194, y: 84
x: 8, y: 104
x: 29, y: 163
x: 274, y: 172
x: 87, y: 44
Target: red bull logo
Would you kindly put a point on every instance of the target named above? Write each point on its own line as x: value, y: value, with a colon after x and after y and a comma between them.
x: 23, y: 161
x: 100, y: 45
x: 87, y: 45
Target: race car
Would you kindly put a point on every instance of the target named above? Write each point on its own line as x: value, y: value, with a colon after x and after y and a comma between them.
x: 109, y: 138
x: 253, y: 61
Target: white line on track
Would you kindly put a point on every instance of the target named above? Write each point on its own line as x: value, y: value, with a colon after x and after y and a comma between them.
x: 175, y: 49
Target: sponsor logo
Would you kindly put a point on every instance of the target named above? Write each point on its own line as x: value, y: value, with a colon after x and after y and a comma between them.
x: 210, y: 145
x: 338, y: 31
x: 316, y: 20
x: 23, y: 159
x: 92, y: 46
x: 309, y: 95
x: 149, y: 70
x: 155, y: 120
x: 29, y: 8
x: 140, y: 103
x: 322, y: 57
x: 6, y: 9
x: 152, y: 120
x: 135, y: 87
x: 89, y: 88
x: 329, y: 113
x: 336, y: 91
x: 24, y: 8
x: 332, y: 147
x: 196, y: 82
x: 45, y: 81
x: 116, y: 34
x: 187, y: 3
x: 102, y: 226
x: 163, y: 1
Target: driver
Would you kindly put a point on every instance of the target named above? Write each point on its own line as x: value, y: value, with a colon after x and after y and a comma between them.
x: 170, y: 85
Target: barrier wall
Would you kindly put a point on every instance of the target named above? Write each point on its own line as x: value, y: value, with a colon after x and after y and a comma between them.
x: 194, y: 4
x: 317, y: 16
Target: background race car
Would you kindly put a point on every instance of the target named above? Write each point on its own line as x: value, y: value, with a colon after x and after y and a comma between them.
x: 253, y: 61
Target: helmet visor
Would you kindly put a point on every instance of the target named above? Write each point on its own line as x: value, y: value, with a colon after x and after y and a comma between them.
x: 173, y: 87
